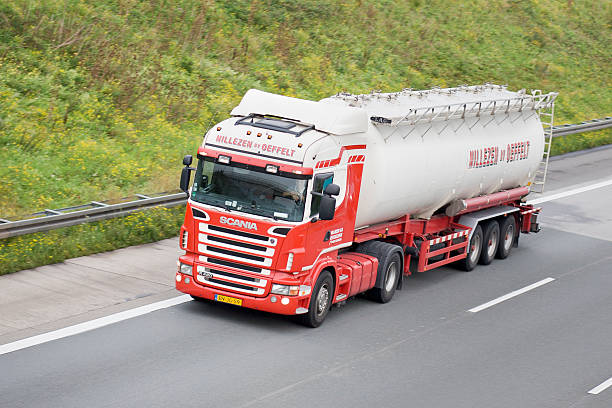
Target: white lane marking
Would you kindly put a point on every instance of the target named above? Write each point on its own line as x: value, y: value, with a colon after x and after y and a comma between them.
x: 510, y: 295
x: 92, y: 324
x: 601, y: 387
x: 571, y: 192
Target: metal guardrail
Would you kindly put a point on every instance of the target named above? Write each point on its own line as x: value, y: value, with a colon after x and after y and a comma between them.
x: 99, y: 210
x: 587, y: 126
x: 94, y: 211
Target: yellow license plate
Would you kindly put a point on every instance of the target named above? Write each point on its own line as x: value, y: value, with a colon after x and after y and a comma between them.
x: 227, y: 299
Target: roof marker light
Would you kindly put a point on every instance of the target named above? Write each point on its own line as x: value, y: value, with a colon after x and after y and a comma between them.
x: 224, y: 159
x: 248, y: 132
x: 259, y: 135
x: 299, y: 145
x: 269, y: 136
x: 218, y: 128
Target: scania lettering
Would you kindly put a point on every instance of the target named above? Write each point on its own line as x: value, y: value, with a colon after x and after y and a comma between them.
x: 298, y: 205
x: 238, y: 223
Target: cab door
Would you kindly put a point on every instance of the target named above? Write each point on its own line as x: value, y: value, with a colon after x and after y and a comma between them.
x: 322, y: 234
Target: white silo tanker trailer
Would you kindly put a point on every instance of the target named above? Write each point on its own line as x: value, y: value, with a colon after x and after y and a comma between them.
x: 297, y: 205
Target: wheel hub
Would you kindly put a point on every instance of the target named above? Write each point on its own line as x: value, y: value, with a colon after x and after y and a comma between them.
x: 390, y: 277
x: 475, y: 248
x: 322, y: 299
x: 492, y: 244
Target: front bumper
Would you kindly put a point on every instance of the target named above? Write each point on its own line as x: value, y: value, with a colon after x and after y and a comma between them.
x: 279, y: 304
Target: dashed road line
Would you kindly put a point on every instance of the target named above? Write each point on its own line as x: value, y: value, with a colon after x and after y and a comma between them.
x: 510, y: 295
x: 601, y: 387
x: 571, y: 192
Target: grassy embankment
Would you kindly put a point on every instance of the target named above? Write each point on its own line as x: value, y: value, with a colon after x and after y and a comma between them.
x: 102, y: 99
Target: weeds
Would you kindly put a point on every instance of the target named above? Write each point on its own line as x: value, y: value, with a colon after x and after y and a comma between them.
x: 32, y: 250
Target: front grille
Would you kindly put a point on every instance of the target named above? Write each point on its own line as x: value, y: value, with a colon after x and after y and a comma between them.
x: 232, y: 284
x: 235, y: 260
x: 234, y: 265
x: 232, y: 275
x: 236, y: 254
x: 238, y: 233
x: 231, y: 281
x: 237, y: 243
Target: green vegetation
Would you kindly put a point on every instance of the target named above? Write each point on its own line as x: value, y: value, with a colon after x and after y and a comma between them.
x: 100, y: 99
x: 32, y: 250
x: 581, y: 141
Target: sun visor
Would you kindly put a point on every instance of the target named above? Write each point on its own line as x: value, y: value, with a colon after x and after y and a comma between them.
x: 338, y: 120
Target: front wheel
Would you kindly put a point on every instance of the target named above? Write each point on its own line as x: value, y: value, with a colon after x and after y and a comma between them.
x: 320, y: 301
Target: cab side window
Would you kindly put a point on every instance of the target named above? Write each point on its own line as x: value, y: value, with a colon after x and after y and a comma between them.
x: 318, y: 186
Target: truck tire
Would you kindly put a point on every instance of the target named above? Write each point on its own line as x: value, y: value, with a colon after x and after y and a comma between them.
x: 474, y: 249
x: 506, y: 237
x: 320, y: 301
x: 389, y: 269
x: 490, y: 242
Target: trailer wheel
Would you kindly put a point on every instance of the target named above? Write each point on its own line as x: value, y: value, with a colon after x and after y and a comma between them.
x: 389, y: 270
x: 506, y: 234
x: 474, y: 249
x: 320, y: 301
x: 490, y: 242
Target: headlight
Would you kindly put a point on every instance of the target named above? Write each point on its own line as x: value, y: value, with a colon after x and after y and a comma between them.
x: 186, y: 269
x: 285, y: 289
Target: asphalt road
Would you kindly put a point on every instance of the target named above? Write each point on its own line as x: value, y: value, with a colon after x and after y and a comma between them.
x: 546, y: 347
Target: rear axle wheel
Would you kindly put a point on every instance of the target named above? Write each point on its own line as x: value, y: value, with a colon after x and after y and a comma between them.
x: 490, y: 242
x: 473, y: 250
x: 507, y: 232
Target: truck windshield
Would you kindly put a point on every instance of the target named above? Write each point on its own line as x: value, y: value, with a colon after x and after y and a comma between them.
x: 250, y: 189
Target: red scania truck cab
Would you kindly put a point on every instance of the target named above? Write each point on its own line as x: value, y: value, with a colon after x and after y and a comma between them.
x: 297, y: 205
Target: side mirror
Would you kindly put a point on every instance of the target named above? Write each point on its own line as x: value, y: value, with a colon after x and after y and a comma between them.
x: 327, y: 208
x: 185, y: 178
x: 332, y: 190
x: 186, y: 173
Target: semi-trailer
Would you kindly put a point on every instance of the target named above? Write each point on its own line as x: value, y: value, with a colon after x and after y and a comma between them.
x: 297, y: 205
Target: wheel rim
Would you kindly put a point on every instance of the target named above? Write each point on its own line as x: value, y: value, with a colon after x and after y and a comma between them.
x: 475, y: 248
x: 508, y: 238
x: 390, y: 276
x: 492, y: 244
x: 322, y: 299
